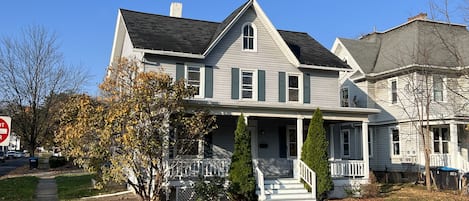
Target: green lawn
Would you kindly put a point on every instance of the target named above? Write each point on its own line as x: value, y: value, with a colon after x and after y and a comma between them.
x: 20, y: 188
x: 73, y: 187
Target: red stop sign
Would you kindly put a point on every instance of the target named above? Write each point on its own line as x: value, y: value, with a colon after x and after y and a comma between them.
x: 4, y: 130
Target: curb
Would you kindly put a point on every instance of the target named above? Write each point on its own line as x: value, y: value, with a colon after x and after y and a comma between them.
x: 106, y: 195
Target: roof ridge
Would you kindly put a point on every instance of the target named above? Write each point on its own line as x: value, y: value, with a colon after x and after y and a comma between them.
x: 292, y: 31
x: 182, y: 18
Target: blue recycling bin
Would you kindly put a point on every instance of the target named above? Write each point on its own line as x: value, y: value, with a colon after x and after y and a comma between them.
x: 446, y: 178
x: 33, y: 162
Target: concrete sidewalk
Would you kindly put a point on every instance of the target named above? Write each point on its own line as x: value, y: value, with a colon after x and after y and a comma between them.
x: 46, y: 190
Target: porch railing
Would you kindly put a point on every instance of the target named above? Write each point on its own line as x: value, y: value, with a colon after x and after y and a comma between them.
x: 440, y: 160
x: 183, y: 168
x: 309, y: 176
x: 348, y: 168
x: 260, y: 183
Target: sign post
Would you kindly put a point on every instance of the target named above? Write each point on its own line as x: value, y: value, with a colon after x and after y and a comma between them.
x: 5, y: 129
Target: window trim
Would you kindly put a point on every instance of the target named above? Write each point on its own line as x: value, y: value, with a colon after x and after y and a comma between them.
x: 202, y: 77
x: 342, y: 143
x: 300, y: 87
x: 390, y: 90
x: 392, y: 142
x: 254, y: 49
x: 342, y: 97
x: 254, y: 84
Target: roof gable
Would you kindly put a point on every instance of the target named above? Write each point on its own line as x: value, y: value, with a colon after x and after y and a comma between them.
x: 195, y: 38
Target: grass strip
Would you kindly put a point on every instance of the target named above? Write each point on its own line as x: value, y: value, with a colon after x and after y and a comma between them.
x: 78, y: 186
x: 19, y: 188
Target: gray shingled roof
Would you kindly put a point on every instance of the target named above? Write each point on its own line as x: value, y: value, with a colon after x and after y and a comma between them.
x: 309, y: 51
x: 157, y: 32
x: 364, y: 52
x: 421, y: 42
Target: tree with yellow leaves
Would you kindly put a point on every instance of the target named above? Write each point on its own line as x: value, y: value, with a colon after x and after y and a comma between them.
x: 126, y: 135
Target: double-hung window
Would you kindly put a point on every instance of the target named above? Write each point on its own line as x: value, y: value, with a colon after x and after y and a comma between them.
x: 395, y: 143
x: 293, y: 90
x: 370, y: 142
x: 247, y: 84
x: 441, y: 140
x: 195, y: 77
x: 345, y: 138
x: 344, y: 97
x: 393, y: 90
x: 438, y: 88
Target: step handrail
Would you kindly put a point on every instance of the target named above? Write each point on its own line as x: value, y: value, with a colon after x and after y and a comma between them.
x: 309, y: 176
x: 260, y: 183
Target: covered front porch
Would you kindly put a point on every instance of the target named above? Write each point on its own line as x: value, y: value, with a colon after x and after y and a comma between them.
x: 277, y: 136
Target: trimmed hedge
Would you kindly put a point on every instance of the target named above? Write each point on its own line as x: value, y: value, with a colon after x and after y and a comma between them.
x: 57, y: 161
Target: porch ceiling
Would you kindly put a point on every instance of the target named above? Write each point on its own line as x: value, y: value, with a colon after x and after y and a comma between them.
x: 285, y: 110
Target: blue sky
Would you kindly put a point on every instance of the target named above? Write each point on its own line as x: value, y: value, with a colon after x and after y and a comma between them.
x: 85, y: 28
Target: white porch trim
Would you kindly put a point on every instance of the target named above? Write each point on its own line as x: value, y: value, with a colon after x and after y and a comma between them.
x: 366, y: 155
x: 453, y: 144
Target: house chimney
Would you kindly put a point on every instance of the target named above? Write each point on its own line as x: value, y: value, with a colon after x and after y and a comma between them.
x: 176, y: 9
x: 420, y: 16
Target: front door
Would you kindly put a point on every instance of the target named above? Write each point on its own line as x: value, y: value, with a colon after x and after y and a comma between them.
x: 291, y: 142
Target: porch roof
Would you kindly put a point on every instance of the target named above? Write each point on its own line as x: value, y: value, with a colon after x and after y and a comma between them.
x: 285, y: 110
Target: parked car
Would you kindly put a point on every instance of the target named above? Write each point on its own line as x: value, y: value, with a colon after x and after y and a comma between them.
x: 14, y: 154
x: 2, y: 156
x: 10, y: 154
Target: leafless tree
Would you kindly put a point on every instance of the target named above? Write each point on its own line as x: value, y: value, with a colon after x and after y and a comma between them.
x: 32, y: 70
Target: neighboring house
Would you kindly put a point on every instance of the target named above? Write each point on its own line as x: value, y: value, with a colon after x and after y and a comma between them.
x: 388, y: 69
x: 15, y: 143
x: 276, y: 78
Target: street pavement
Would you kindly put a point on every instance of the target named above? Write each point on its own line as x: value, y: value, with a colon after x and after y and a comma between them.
x: 12, y: 164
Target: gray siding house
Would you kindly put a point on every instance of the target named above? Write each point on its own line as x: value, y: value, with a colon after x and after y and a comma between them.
x: 391, y: 70
x: 276, y: 78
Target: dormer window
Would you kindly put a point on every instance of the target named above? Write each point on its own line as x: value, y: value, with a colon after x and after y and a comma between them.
x: 249, y: 37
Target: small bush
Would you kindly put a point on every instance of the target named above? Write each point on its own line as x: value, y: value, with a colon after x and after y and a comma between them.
x: 372, y: 189
x: 211, y: 189
x: 57, y: 161
x: 353, y: 190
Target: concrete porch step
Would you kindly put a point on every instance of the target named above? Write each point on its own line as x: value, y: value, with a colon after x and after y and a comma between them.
x: 285, y: 189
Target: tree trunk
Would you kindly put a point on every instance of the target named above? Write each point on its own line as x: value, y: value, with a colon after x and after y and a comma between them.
x: 428, y: 180
x: 427, y: 139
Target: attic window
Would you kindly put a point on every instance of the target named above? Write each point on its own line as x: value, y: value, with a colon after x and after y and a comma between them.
x: 249, y: 37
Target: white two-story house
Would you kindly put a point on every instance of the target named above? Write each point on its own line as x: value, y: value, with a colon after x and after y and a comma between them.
x: 396, y: 69
x: 275, y: 78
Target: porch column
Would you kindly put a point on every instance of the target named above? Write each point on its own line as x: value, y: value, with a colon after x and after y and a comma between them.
x: 331, y: 143
x: 299, y: 136
x: 453, y: 147
x: 299, y: 146
x: 366, y: 155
